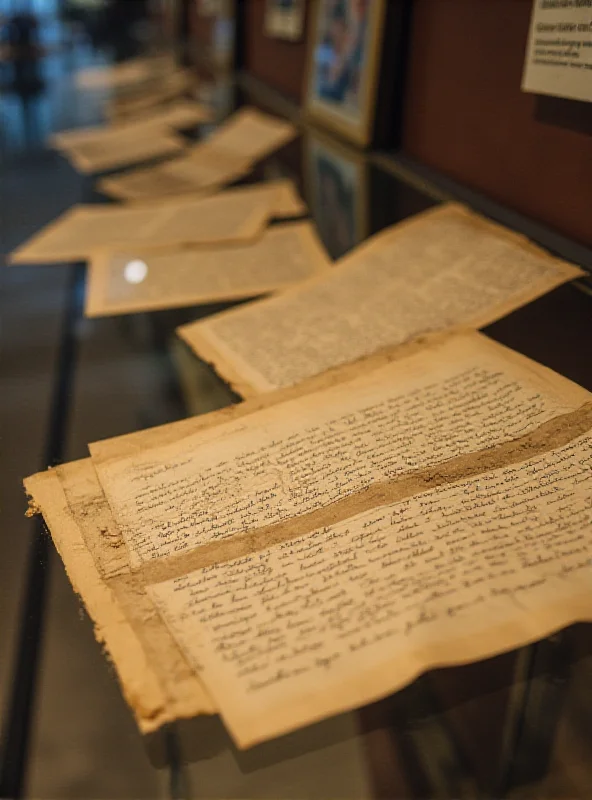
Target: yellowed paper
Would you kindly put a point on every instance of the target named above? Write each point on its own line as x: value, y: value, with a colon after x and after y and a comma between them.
x: 156, y: 680
x: 155, y: 93
x: 314, y: 452
x: 188, y: 174
x: 123, y: 283
x: 123, y: 148
x: 137, y: 679
x: 130, y: 73
x: 349, y: 613
x: 151, y: 184
x: 421, y: 510
x: 250, y: 134
x: 443, y: 268
x: 231, y: 216
x: 179, y: 114
x: 209, y: 167
x: 176, y: 116
x: 225, y: 156
x: 133, y: 443
x: 289, y: 203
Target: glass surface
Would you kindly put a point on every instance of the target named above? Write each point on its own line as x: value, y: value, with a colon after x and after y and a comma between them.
x: 516, y: 725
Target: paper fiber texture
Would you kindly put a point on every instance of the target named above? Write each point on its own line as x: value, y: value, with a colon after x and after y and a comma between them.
x: 302, y: 456
x: 231, y: 216
x: 348, y: 613
x: 328, y: 542
x: 130, y: 282
x: 445, y: 267
x: 154, y: 676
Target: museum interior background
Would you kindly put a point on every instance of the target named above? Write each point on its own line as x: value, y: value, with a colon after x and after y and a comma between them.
x: 450, y: 121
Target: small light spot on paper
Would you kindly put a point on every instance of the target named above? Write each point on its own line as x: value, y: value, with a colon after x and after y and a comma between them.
x: 135, y: 271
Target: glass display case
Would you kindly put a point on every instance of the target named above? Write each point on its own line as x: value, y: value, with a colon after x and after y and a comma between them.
x: 517, y: 725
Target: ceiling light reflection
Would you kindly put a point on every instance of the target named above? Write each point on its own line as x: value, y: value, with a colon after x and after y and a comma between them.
x: 135, y: 271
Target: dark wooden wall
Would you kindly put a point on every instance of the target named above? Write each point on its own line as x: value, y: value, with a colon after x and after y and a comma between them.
x: 464, y: 113
x: 466, y: 116
x: 201, y: 30
x: 277, y: 62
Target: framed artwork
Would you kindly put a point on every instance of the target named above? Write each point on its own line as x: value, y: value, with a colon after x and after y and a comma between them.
x: 284, y: 19
x: 344, y: 51
x: 336, y: 189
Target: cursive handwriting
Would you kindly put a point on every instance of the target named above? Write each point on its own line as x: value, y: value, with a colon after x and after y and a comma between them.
x: 489, y: 554
x: 290, y: 462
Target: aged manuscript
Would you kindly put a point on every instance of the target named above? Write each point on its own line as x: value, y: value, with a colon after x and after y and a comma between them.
x: 156, y: 92
x: 129, y: 74
x: 124, y: 283
x: 249, y: 133
x: 118, y: 148
x: 443, y: 268
x: 176, y: 116
x: 231, y: 216
x: 203, y: 172
x: 155, y: 678
x: 315, y: 549
x: 225, y: 156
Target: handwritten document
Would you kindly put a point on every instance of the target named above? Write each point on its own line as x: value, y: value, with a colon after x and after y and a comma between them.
x: 284, y: 255
x: 179, y: 114
x: 153, y: 673
x: 225, y: 156
x: 129, y: 74
x: 203, y: 172
x: 122, y: 147
x: 443, y: 268
x: 176, y: 116
x: 249, y: 133
x: 304, y: 455
x: 351, y: 612
x: 310, y: 551
x: 234, y: 215
x: 141, y: 99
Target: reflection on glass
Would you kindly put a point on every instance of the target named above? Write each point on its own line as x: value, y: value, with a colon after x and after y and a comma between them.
x: 336, y: 192
x: 135, y: 271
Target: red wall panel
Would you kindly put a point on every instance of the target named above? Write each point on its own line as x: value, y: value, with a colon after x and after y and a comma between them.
x: 466, y: 116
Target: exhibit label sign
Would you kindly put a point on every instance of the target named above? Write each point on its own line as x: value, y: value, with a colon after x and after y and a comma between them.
x: 559, y: 50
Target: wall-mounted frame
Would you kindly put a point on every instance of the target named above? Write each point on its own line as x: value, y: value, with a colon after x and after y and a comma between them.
x: 344, y: 53
x: 284, y: 19
x: 336, y: 189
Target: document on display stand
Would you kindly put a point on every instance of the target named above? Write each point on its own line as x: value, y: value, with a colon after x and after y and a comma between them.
x: 315, y: 549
